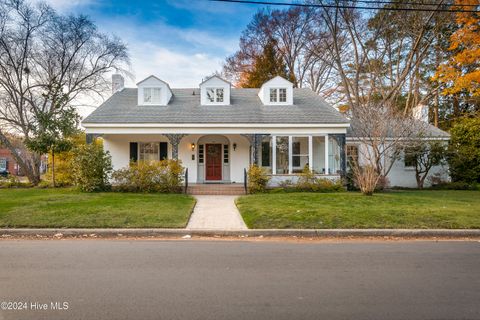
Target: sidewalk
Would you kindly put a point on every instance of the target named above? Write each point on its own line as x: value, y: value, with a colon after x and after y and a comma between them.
x: 216, y: 213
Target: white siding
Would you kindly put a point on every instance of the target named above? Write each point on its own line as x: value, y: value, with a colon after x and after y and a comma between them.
x: 276, y: 83
x: 119, y: 148
x: 399, y: 175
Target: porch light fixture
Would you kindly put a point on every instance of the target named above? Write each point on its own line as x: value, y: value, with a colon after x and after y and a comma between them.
x: 234, y: 146
x: 192, y: 146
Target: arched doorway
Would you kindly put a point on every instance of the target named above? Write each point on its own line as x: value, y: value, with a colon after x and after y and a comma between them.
x: 213, y: 159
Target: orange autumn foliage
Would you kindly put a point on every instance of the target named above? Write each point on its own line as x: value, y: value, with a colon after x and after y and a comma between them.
x: 462, y: 71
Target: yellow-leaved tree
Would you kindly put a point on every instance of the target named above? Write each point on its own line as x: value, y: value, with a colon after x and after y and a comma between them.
x: 461, y: 73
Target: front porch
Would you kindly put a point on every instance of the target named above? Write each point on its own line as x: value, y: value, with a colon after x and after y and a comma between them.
x: 213, y: 158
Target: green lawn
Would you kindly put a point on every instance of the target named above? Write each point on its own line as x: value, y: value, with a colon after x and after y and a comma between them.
x: 396, y: 209
x: 57, y: 208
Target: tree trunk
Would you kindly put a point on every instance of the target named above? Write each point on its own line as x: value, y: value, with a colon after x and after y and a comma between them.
x: 419, y: 181
x: 435, y: 108
x: 28, y: 166
x: 53, y: 168
x: 456, y: 107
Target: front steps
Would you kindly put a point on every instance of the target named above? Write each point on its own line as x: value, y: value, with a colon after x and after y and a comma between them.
x: 232, y: 189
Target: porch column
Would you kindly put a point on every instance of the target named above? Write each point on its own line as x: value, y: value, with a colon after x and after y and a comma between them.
x: 258, y: 148
x: 290, y: 153
x: 174, y: 139
x: 326, y: 154
x: 252, y: 140
x: 274, y: 154
x: 310, y: 153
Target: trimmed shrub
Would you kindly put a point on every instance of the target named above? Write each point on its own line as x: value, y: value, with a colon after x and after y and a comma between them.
x: 456, y: 185
x: 92, y: 168
x: 12, y: 181
x: 310, y: 183
x: 257, y: 179
x: 160, y: 176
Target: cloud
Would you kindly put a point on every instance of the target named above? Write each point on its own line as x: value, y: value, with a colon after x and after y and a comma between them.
x: 66, y: 5
x: 181, y: 57
x: 176, y: 68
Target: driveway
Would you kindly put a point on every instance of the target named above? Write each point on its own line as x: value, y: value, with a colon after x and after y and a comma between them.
x: 112, y: 279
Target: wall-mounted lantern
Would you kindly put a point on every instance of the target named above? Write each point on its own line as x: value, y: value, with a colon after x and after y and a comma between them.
x: 234, y: 146
x: 192, y: 146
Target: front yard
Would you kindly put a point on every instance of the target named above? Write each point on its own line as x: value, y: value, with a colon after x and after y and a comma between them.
x: 396, y: 209
x: 57, y: 208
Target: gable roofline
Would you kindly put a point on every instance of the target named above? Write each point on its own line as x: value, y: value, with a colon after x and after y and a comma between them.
x: 156, y: 78
x: 215, y: 76
x: 276, y: 77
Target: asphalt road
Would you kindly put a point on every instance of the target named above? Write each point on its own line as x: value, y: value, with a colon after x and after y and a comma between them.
x: 109, y: 279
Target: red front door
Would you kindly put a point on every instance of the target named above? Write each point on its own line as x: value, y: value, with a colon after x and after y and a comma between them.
x: 214, y: 162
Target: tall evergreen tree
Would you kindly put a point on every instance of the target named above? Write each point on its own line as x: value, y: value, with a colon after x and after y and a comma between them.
x: 266, y: 66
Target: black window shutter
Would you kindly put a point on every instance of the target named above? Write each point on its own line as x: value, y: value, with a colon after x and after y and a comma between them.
x: 134, y: 151
x: 163, y: 150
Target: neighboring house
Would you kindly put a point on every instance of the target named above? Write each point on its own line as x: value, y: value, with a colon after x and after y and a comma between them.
x: 8, y: 163
x: 218, y: 131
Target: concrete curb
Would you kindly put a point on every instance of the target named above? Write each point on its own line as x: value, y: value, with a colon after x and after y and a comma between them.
x: 305, y: 233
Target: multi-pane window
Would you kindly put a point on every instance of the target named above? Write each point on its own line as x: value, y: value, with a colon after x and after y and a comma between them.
x: 273, y: 95
x: 282, y: 95
x: 149, y: 151
x: 201, y: 153
x: 3, y: 164
x: 278, y: 95
x: 409, y: 157
x: 215, y: 94
x: 225, y: 153
x: 299, y: 153
x: 352, y: 155
x: 151, y: 95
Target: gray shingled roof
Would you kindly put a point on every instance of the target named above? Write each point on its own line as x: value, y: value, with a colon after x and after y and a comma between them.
x: 427, y: 129
x: 245, y: 107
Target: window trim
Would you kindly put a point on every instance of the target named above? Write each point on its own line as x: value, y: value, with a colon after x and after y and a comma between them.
x: 277, y: 95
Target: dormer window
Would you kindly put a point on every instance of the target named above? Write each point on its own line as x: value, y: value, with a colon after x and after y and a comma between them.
x: 153, y: 91
x: 215, y: 95
x: 276, y: 91
x: 278, y: 95
x: 152, y: 95
x: 215, y: 91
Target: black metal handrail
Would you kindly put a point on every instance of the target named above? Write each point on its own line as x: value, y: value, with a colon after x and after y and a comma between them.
x: 245, y: 177
x: 186, y: 180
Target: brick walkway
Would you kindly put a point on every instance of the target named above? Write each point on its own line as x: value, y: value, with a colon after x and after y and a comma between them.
x: 216, y: 212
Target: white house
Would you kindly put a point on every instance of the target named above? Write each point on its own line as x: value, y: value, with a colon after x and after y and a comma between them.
x: 218, y: 131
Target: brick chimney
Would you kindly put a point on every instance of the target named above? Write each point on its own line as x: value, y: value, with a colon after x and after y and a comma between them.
x: 118, y: 82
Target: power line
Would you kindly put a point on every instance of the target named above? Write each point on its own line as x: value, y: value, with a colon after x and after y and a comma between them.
x: 344, y: 6
x: 412, y: 3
